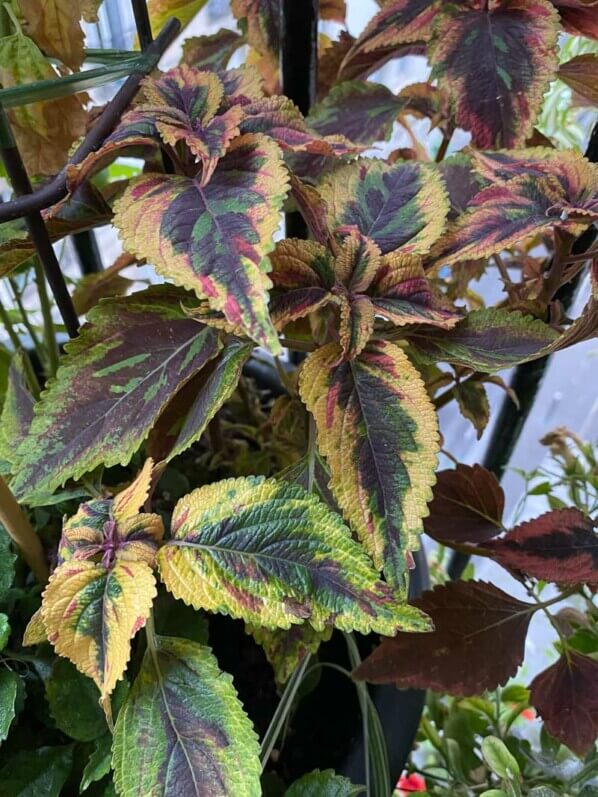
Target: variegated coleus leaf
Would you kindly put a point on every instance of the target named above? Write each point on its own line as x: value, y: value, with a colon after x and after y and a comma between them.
x: 111, y: 530
x: 378, y: 430
x: 201, y: 108
x: 270, y: 553
x: 578, y: 17
x: 399, y: 206
x: 560, y: 192
x: 359, y: 281
x: 487, y: 340
x: 279, y: 118
x: 214, y: 239
x: 363, y: 112
x: 182, y: 730
x: 494, y: 61
x: 286, y: 649
x: 184, y: 104
x: 17, y: 414
x: 130, y: 359
x: 399, y: 23
x: 259, y: 21
x: 91, y: 612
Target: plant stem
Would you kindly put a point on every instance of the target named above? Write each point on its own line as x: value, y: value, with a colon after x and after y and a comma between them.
x: 283, y: 708
x: 25, y: 318
x: 444, y: 145
x: 46, y: 308
x: 14, y: 339
x: 22, y: 533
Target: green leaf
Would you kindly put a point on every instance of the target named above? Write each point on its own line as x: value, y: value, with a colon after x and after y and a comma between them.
x: 220, y: 251
x: 183, y: 730
x: 498, y: 758
x: 17, y: 412
x: 398, y: 206
x: 99, y: 762
x: 130, y: 359
x: 9, y: 689
x: 4, y: 631
x: 271, y: 554
x: 495, y: 62
x: 74, y: 703
x: 7, y: 564
x: 36, y: 773
x: 487, y: 340
x: 378, y: 431
x: 323, y: 784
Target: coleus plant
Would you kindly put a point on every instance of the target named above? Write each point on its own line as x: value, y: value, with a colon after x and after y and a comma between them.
x: 378, y: 298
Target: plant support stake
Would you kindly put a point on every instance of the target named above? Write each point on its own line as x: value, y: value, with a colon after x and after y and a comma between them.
x: 19, y: 180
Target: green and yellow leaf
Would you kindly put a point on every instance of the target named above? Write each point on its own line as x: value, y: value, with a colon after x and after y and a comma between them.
x: 182, y: 730
x: 220, y: 251
x: 91, y: 614
x: 378, y: 431
x: 17, y: 412
x: 399, y: 206
x: 286, y: 649
x: 274, y: 555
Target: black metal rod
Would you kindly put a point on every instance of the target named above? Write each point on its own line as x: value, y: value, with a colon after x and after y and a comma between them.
x: 142, y: 23
x: 299, y: 69
x: 56, y: 190
x: 88, y: 254
x: 17, y: 174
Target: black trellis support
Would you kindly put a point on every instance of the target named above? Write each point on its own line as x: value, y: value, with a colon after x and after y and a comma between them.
x: 299, y: 68
x: 29, y: 204
x: 526, y: 382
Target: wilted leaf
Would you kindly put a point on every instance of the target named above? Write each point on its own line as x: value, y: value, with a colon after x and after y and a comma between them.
x: 566, y: 697
x: 183, y: 730
x: 323, y: 784
x: 44, y: 130
x: 333, y: 10
x: 91, y: 613
x: 477, y: 643
x: 467, y: 506
x: 273, y: 555
x: 363, y: 112
x: 378, y: 431
x: 495, y: 62
x: 581, y: 75
x: 213, y: 51
x: 487, y: 340
x: 54, y: 26
x: 286, y: 649
x: 399, y: 23
x: 17, y: 411
x: 35, y: 632
x: 220, y: 251
x: 131, y: 357
x: 473, y: 403
x: 398, y: 206
x: 560, y: 546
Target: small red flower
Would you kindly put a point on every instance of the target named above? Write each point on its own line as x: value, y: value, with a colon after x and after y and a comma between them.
x: 408, y: 784
x: 528, y: 714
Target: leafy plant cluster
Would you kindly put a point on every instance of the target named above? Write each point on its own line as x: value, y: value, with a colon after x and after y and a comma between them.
x: 177, y: 479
